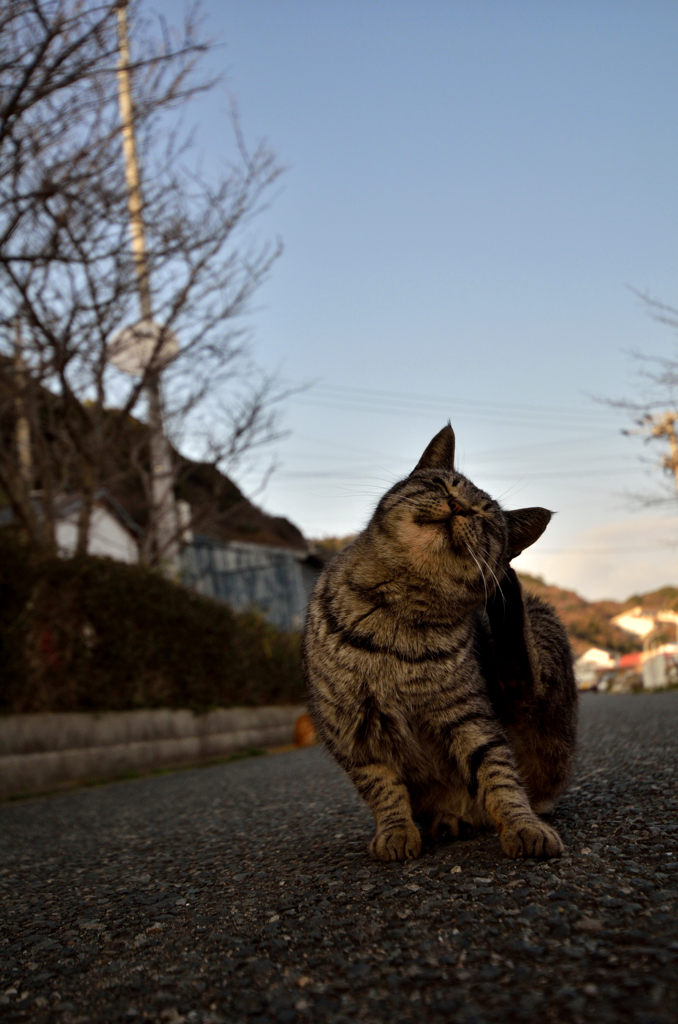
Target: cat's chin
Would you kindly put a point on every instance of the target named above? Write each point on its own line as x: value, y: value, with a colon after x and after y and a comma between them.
x: 459, y: 545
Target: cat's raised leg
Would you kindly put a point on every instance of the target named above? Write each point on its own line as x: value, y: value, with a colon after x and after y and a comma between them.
x: 397, y: 837
x: 533, y: 690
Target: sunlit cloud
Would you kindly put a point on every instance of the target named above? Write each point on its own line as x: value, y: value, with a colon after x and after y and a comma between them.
x: 613, y: 560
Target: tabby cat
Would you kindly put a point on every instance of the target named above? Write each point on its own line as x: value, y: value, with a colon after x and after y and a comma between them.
x: 444, y: 691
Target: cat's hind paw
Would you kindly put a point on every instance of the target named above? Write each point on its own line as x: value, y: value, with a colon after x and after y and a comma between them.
x: 530, y: 838
x: 400, y: 843
x: 449, y: 826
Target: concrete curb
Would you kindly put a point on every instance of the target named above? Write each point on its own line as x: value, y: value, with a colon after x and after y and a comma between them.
x: 46, y: 750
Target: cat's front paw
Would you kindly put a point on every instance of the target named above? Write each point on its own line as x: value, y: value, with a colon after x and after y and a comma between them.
x: 530, y: 838
x: 400, y: 843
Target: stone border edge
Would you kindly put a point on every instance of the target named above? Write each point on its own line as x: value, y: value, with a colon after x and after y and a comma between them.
x: 35, y: 771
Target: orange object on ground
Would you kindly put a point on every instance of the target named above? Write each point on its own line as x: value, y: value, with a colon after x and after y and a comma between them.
x: 304, y: 732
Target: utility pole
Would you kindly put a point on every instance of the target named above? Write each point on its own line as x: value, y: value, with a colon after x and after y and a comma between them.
x: 164, y: 523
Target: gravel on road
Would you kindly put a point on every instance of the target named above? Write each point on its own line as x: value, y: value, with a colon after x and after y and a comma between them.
x: 244, y: 893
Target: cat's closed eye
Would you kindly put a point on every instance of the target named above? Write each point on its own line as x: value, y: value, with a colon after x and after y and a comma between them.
x: 456, y: 506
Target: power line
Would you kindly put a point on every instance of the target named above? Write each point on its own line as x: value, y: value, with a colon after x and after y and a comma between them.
x: 447, y: 400
x: 518, y: 477
x: 621, y: 547
x: 351, y: 399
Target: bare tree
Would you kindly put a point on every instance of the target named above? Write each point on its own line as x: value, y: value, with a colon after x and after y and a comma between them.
x: 67, y: 274
x: 655, y: 412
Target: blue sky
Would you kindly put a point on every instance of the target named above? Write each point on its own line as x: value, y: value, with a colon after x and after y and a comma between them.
x: 471, y: 187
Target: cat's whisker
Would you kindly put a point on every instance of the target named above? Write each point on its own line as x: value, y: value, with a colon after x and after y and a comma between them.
x: 494, y: 577
x: 480, y: 569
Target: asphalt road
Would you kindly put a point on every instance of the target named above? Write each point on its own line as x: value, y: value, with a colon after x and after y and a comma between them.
x: 244, y: 893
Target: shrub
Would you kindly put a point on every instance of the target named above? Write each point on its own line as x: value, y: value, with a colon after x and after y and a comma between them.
x: 91, y: 634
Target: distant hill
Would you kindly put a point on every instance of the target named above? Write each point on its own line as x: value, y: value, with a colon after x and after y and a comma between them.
x: 331, y: 545
x: 588, y: 622
x: 220, y: 510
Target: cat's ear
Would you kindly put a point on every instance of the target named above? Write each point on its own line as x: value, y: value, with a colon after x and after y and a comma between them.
x: 525, y: 526
x: 439, y: 453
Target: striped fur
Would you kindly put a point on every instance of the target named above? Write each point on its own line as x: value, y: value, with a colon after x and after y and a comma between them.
x: 446, y: 695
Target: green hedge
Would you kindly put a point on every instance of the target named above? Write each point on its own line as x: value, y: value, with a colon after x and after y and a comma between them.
x: 90, y: 634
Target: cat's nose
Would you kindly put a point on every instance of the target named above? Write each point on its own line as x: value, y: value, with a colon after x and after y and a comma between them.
x: 458, y: 508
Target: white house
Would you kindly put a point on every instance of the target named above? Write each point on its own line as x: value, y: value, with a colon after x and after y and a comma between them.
x: 109, y: 534
x: 589, y: 665
x: 636, y: 621
x: 659, y: 661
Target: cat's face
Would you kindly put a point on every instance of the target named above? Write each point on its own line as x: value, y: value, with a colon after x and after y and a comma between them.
x: 446, y: 529
x: 441, y: 523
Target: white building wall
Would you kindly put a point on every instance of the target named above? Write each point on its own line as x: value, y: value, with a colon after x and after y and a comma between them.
x: 107, y: 537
